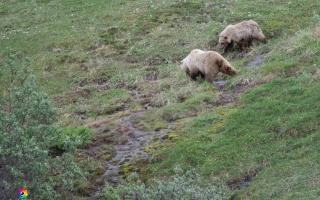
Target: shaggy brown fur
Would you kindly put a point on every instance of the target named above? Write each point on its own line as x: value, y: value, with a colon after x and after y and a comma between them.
x: 239, y: 33
x: 207, y: 64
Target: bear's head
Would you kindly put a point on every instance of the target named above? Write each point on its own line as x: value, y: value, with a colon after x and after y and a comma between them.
x: 224, y: 41
x: 183, y: 66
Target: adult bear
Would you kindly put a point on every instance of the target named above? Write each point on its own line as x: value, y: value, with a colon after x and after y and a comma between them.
x: 239, y: 33
x: 207, y: 64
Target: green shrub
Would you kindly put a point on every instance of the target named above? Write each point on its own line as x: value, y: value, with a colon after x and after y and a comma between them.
x: 184, y: 186
x: 74, y: 137
x: 26, y: 132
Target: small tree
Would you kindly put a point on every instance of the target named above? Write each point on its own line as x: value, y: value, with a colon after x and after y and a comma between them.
x: 26, y: 132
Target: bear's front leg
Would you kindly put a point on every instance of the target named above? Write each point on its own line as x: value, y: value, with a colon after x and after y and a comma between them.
x: 211, y: 73
x: 193, y: 73
x: 227, y: 48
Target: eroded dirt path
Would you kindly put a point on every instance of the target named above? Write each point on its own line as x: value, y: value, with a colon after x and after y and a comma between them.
x: 257, y: 61
x: 132, y: 149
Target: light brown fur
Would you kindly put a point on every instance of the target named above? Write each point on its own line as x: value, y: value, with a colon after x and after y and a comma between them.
x: 207, y: 64
x: 239, y: 33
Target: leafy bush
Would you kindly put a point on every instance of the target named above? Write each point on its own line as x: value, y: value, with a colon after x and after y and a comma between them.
x: 26, y: 132
x: 74, y: 137
x: 188, y: 185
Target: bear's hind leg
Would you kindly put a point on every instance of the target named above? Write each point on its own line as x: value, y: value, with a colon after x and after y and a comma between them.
x: 241, y: 45
x: 250, y: 42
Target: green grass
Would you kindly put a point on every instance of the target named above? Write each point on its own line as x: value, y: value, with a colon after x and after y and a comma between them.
x: 275, y: 131
x: 105, y: 59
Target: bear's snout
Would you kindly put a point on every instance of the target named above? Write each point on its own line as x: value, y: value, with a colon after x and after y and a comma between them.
x: 222, y: 45
x: 265, y: 40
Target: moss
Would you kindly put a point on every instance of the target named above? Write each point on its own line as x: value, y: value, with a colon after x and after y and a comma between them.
x: 211, y: 89
x: 132, y: 166
x: 105, y: 152
x: 224, y: 110
x: 152, y: 147
x: 107, y: 157
x: 150, y: 121
x: 135, y: 107
x: 218, y: 127
x: 125, y: 168
x: 160, y: 125
x: 172, y: 137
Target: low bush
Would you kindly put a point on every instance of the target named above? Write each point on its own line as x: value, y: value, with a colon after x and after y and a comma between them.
x: 74, y: 137
x: 182, y: 185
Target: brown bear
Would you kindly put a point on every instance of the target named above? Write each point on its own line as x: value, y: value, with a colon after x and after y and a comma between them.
x: 239, y: 33
x: 207, y: 64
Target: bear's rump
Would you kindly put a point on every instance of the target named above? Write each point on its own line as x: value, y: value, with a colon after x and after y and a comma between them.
x: 248, y: 32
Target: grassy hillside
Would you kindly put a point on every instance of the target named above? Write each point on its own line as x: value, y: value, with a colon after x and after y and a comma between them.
x: 100, y: 60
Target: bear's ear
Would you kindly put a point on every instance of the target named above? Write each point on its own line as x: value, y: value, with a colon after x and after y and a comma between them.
x: 181, y: 64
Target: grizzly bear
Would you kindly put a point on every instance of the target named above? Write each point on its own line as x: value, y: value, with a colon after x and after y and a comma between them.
x: 207, y: 64
x: 239, y: 33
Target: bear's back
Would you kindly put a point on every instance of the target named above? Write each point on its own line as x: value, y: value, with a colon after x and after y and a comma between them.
x: 247, y: 25
x: 197, y: 59
x: 227, y: 31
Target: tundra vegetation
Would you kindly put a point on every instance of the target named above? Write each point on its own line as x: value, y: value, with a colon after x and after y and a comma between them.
x: 101, y: 60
